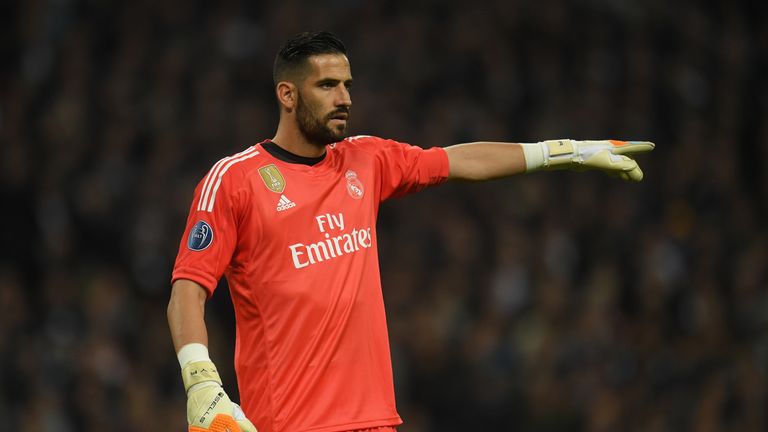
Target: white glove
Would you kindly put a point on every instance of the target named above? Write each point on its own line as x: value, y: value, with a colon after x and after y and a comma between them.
x: 606, y: 155
x: 209, y: 409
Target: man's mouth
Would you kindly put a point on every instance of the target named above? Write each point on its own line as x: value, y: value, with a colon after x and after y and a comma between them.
x: 340, y: 116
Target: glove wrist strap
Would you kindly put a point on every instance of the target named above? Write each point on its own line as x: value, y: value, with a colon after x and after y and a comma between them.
x: 549, y: 154
x: 560, y: 153
x: 198, y: 372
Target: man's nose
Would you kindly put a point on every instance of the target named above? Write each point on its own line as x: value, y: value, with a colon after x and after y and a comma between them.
x: 343, y: 98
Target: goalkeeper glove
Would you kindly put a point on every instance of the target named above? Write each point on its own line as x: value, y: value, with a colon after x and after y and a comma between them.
x: 209, y: 409
x: 606, y: 155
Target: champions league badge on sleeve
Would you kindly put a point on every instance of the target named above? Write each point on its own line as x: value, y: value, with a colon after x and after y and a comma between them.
x: 200, y: 237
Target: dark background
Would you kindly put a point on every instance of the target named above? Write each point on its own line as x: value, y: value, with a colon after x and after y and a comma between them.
x: 548, y: 302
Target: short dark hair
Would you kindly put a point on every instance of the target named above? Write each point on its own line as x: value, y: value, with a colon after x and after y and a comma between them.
x: 296, y: 50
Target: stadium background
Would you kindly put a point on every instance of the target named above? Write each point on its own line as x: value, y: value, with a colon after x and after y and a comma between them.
x: 548, y: 302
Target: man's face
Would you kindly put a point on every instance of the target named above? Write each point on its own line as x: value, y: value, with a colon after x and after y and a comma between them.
x: 323, y: 100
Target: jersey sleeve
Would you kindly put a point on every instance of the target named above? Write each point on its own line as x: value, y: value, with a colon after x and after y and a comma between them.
x: 406, y: 168
x: 210, y: 235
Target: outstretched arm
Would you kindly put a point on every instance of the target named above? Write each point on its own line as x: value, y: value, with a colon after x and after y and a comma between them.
x: 480, y: 161
x: 490, y: 160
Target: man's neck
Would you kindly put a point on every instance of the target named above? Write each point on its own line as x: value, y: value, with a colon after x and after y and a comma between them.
x: 292, y: 140
x: 286, y: 156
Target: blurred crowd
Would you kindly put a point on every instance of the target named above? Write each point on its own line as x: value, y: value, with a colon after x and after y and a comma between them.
x: 549, y: 302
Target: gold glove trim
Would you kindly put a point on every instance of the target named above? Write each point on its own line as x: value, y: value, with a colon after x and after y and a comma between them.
x: 560, y: 153
x: 559, y: 147
x: 197, y: 372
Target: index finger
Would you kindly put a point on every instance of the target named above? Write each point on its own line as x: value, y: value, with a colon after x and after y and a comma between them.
x: 625, y: 147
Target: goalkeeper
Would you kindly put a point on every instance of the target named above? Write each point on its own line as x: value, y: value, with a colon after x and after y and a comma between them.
x: 312, y: 350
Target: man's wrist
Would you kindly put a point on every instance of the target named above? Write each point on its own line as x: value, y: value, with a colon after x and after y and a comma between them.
x: 193, y: 352
x: 549, y: 154
x: 199, y: 372
x: 534, y: 156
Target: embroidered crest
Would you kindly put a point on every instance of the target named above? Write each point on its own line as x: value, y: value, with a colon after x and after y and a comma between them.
x: 354, y: 185
x: 272, y: 178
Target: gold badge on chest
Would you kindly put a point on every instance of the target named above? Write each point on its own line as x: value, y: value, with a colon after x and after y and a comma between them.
x: 272, y: 177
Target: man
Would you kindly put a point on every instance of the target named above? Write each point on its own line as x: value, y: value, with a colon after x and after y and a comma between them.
x: 291, y: 222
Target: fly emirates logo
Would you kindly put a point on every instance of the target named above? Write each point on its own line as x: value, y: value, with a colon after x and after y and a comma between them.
x: 337, y: 242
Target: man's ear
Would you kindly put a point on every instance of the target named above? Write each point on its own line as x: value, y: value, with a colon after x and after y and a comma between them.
x: 286, y: 94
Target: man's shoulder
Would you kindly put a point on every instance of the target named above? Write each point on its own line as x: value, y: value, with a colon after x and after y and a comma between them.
x: 358, y: 140
x: 236, y: 165
x: 361, y: 142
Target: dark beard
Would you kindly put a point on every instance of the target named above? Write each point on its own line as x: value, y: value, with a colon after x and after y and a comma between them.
x: 316, y: 130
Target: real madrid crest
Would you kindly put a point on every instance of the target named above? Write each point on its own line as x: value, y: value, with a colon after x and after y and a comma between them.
x: 354, y: 185
x: 272, y: 178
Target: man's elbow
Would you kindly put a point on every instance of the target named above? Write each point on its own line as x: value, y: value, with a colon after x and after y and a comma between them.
x: 173, y: 304
x: 467, y: 174
x: 183, y: 293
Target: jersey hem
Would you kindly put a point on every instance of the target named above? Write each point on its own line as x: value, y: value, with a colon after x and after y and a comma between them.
x: 203, y: 280
x: 347, y: 427
x: 444, y: 163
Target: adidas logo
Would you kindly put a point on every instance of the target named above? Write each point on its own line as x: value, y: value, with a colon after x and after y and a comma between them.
x: 284, y: 203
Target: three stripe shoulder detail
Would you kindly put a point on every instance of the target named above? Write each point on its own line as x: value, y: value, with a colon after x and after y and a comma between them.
x: 213, y: 179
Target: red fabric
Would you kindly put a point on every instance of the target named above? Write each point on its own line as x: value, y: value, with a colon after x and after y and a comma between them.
x: 377, y: 429
x: 312, y: 351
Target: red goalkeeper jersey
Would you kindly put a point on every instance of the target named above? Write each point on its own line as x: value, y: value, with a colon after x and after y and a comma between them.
x: 297, y: 244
